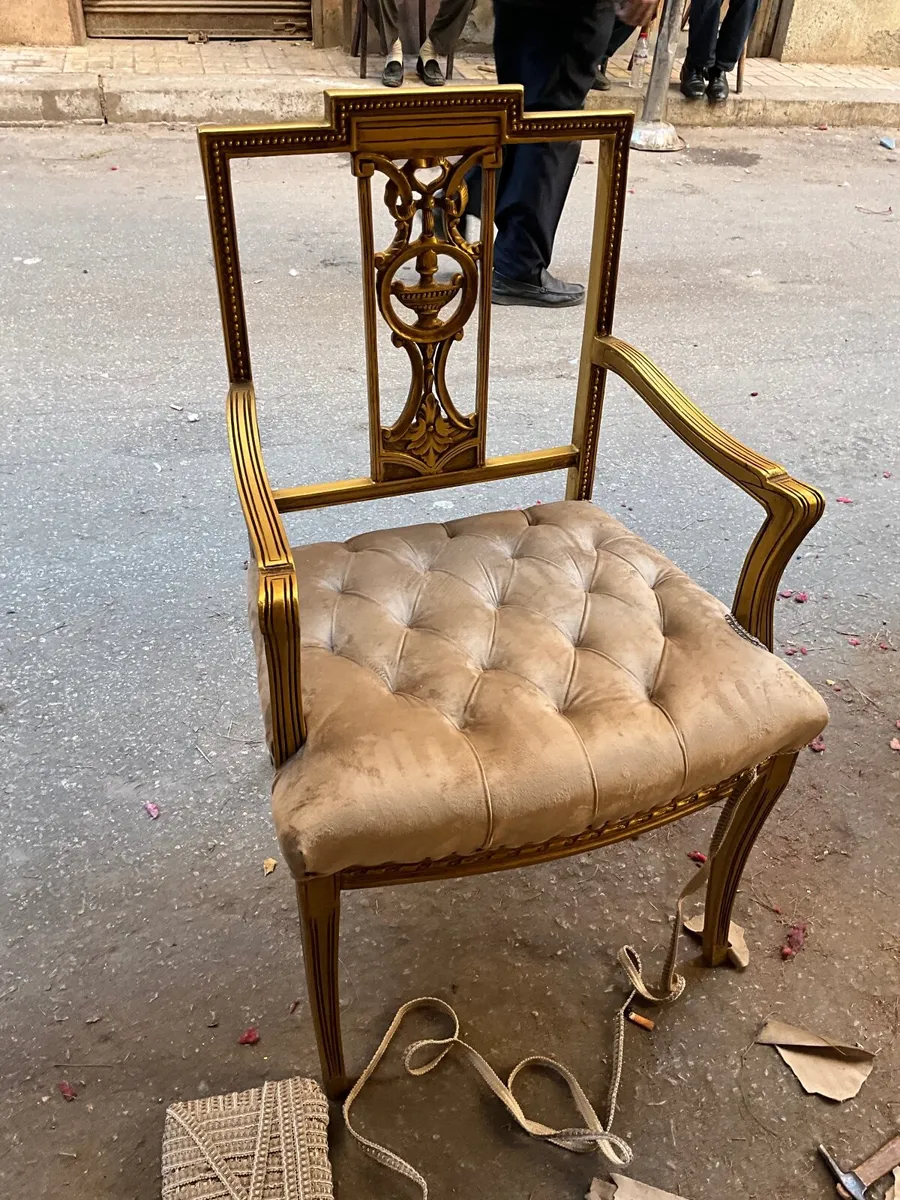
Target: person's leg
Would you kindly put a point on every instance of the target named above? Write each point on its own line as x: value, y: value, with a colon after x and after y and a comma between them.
x: 619, y: 36
x: 553, y: 54
x: 734, y: 32
x: 386, y: 15
x: 617, y: 39
x: 442, y: 37
x: 703, y: 30
x: 448, y: 24
x: 608, y: 22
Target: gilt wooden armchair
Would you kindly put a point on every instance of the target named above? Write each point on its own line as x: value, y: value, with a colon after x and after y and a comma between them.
x: 504, y: 689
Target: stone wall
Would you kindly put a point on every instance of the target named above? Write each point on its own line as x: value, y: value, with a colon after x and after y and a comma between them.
x: 843, y: 31
x: 41, y: 22
x: 479, y: 30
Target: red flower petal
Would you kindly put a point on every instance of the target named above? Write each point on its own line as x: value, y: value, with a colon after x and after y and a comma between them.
x: 249, y: 1037
x: 796, y: 938
x: 697, y: 856
x: 817, y: 745
x: 67, y: 1091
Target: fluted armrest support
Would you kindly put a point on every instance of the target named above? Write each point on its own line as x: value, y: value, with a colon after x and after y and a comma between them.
x: 792, y: 508
x: 278, y: 608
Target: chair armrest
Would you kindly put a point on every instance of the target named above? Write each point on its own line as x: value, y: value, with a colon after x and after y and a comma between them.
x: 278, y: 607
x: 792, y: 508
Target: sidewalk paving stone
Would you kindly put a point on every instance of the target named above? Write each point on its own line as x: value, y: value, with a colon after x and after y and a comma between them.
x: 175, y: 81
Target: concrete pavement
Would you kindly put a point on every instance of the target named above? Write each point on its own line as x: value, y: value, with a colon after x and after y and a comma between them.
x: 117, y: 81
x: 757, y: 272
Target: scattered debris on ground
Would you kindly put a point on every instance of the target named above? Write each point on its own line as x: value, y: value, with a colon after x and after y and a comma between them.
x: 824, y: 1067
x: 738, y: 954
x: 795, y: 940
x: 623, y: 1188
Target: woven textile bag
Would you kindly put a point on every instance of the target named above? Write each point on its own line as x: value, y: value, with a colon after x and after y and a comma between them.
x: 269, y: 1143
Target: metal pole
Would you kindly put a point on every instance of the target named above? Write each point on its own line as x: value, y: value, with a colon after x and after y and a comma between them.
x: 653, y: 131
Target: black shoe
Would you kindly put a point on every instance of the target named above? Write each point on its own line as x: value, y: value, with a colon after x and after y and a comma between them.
x: 392, y: 75
x: 693, y: 83
x: 549, y: 293
x: 717, y: 88
x: 601, y: 83
x: 430, y: 72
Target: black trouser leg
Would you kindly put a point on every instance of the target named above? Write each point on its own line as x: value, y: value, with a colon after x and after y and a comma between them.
x: 619, y: 36
x: 703, y: 31
x: 607, y: 23
x: 386, y: 15
x: 734, y: 32
x: 448, y: 24
x: 553, y: 53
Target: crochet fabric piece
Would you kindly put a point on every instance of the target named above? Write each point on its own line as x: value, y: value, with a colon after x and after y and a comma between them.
x: 269, y: 1143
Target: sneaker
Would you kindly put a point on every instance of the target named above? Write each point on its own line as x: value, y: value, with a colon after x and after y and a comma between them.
x: 392, y: 75
x: 549, y: 293
x: 693, y: 83
x: 717, y: 86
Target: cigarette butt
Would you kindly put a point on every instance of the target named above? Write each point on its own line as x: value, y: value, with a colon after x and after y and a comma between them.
x: 637, y: 1019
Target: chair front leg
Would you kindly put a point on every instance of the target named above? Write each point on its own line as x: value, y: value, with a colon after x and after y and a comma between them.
x: 320, y: 908
x: 728, y: 865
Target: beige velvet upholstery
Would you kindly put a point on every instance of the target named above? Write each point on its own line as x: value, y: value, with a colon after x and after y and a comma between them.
x: 510, y: 678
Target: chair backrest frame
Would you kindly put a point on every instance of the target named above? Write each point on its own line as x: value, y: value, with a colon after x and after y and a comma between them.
x: 432, y: 444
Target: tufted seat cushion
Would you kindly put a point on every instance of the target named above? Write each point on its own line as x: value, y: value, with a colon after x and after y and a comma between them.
x: 510, y: 678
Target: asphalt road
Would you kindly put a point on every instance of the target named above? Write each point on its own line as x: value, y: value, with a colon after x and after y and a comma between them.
x: 759, y: 270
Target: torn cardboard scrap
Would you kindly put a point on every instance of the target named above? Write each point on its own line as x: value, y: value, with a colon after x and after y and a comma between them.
x: 627, y: 1189
x: 630, y: 1189
x: 738, y: 954
x: 601, y: 1190
x: 823, y: 1067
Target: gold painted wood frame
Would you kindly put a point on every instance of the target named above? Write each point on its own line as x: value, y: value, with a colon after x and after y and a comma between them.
x: 423, y: 145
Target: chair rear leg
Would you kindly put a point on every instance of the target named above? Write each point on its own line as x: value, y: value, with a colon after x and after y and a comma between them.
x: 728, y: 865
x: 354, y: 40
x: 363, y: 39
x: 320, y: 908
